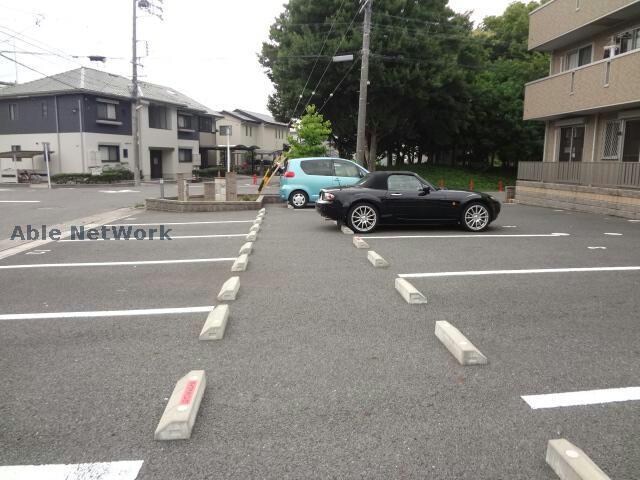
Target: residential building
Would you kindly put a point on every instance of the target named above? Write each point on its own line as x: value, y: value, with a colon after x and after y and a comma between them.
x: 590, y: 103
x: 86, y: 117
x: 255, y: 136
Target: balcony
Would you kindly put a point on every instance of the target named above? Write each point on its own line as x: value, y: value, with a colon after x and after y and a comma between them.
x: 559, y: 23
x: 600, y: 86
x: 600, y: 174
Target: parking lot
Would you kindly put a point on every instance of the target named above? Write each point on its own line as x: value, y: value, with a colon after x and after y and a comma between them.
x: 324, y: 370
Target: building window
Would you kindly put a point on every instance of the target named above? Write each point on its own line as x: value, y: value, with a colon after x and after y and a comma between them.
x: 125, y: 153
x: 578, y: 58
x: 185, y: 122
x: 109, y: 153
x: 631, y: 149
x: 45, y: 110
x: 158, y: 117
x: 13, y: 111
x: 612, y: 136
x: 185, y: 155
x: 107, y: 111
x: 16, y: 148
x: 205, y: 124
x: 248, y: 130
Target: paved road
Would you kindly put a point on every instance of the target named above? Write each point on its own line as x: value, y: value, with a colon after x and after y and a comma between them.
x: 324, y: 371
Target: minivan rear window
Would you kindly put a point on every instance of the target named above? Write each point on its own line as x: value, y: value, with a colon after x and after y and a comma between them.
x: 317, y: 167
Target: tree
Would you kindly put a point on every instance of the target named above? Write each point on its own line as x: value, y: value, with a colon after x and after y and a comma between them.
x: 417, y: 90
x: 312, y: 133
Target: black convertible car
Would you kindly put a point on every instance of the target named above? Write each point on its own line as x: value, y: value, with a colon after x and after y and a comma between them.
x: 402, y: 198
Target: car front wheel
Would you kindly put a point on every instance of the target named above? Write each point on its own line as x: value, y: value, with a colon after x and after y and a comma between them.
x: 363, y: 218
x: 476, y: 217
x: 298, y: 199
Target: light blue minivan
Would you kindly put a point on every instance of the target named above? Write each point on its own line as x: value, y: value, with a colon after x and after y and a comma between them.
x: 303, y: 178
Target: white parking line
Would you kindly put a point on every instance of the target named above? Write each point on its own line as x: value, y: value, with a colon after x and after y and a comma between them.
x: 81, y: 471
x: 107, y: 313
x: 472, y: 273
x: 176, y: 223
x: 614, y: 234
x: 19, y: 201
x: 587, y: 397
x: 173, y: 237
x: 117, y: 264
x: 397, y: 237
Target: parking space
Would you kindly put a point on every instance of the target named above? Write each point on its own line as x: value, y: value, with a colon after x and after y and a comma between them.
x: 324, y: 369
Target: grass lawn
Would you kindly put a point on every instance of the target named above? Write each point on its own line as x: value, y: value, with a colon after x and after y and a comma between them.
x: 458, y: 177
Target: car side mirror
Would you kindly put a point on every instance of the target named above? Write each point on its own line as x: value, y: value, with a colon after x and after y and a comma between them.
x: 426, y: 190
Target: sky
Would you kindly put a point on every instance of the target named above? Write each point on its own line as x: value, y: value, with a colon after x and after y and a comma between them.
x: 207, y: 49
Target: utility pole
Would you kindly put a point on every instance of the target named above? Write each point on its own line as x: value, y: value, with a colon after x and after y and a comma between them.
x: 135, y: 127
x: 151, y: 7
x: 364, y: 84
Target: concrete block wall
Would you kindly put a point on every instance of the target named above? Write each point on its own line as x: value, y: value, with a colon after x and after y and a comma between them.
x: 604, y: 201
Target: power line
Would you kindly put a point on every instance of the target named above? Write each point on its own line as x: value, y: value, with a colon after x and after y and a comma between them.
x: 293, y: 114
x: 51, y: 77
x: 332, y: 94
x: 334, y: 54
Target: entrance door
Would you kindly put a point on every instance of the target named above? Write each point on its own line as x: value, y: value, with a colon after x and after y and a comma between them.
x: 156, y: 163
x: 631, y: 151
x: 571, y: 144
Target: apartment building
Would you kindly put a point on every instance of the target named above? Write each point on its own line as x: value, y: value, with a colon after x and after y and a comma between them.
x: 590, y: 102
x: 255, y: 135
x: 86, y: 117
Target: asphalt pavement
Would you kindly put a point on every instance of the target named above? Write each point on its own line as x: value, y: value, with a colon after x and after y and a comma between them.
x: 324, y: 370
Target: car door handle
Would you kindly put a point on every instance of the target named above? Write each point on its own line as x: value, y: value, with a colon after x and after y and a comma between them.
x: 396, y: 194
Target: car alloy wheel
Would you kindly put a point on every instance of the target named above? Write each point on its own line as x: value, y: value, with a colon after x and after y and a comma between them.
x: 299, y: 199
x: 476, y: 217
x: 363, y: 218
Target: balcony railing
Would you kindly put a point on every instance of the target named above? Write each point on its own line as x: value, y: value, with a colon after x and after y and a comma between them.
x: 560, y: 22
x: 586, y: 89
x: 597, y: 174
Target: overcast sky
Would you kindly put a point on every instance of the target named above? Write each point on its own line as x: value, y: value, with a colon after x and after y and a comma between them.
x: 205, y: 48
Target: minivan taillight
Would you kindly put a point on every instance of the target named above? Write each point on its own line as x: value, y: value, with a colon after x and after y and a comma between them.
x: 289, y: 174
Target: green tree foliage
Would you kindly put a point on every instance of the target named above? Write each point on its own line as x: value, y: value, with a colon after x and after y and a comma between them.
x: 436, y: 84
x: 312, y: 131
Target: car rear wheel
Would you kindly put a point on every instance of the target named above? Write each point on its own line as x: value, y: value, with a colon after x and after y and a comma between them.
x: 298, y: 199
x: 476, y: 217
x: 363, y: 218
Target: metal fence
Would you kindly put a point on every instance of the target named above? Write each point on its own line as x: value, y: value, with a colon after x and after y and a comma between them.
x: 601, y: 174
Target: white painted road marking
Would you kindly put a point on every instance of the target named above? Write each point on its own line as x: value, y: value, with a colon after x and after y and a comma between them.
x: 472, y: 273
x: 597, y: 248
x: 106, y: 313
x: 19, y: 201
x: 587, y: 397
x: 117, y: 264
x: 509, y: 226
x: 397, y: 237
x: 173, y: 237
x: 81, y: 471
x: 37, y: 252
x: 614, y: 234
x: 176, y: 223
x: 119, y: 191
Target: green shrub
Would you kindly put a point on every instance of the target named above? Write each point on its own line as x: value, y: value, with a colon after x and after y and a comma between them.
x: 113, y: 176
x: 209, y: 172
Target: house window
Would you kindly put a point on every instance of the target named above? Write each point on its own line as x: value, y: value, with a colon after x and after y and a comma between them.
x: 185, y: 155
x: 205, y: 124
x: 578, y: 58
x: 571, y: 144
x: 184, y: 122
x: 45, y: 110
x: 107, y: 111
x: 248, y: 130
x: 109, y: 153
x: 158, y: 117
x: 13, y: 111
x: 612, y: 135
x: 125, y: 153
x: 627, y: 41
x: 631, y: 151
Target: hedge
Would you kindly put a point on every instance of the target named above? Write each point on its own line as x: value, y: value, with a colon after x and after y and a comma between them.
x: 209, y: 172
x: 86, y: 178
